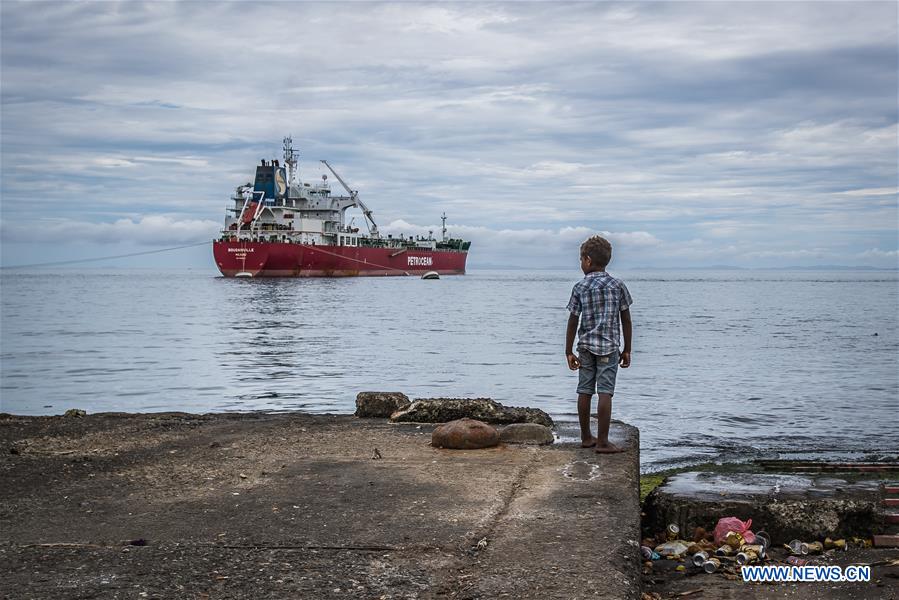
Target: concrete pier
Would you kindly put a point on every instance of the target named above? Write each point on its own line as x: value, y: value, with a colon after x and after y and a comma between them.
x: 307, y: 506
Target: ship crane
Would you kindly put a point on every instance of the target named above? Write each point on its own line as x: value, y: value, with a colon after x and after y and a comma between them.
x: 373, y: 229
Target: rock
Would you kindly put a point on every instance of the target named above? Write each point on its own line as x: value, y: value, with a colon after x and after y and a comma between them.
x: 443, y: 410
x: 526, y: 433
x: 464, y: 434
x: 380, y: 404
x: 75, y: 412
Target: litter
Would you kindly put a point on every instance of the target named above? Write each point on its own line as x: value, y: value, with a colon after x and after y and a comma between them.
x: 699, y: 534
x: 675, y: 548
x: 733, y: 524
x: 815, y: 547
x: 763, y: 538
x: 759, y: 549
x: 835, y: 544
x: 734, y: 539
x: 711, y: 565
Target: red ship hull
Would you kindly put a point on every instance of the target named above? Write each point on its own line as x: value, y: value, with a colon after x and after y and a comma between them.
x: 276, y: 259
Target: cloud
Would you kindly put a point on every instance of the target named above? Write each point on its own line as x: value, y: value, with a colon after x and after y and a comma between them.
x: 151, y: 230
x: 679, y: 121
x: 538, y: 237
x: 529, y: 247
x: 878, y: 253
x: 134, y: 161
x: 888, y: 191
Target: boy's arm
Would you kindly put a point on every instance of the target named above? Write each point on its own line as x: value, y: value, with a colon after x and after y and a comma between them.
x: 573, y: 363
x: 625, y: 358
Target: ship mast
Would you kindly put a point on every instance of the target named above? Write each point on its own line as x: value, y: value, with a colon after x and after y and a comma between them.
x: 443, y: 218
x: 290, y: 158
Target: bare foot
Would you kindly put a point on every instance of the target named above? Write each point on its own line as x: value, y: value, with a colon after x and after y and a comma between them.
x: 588, y: 443
x: 607, y: 448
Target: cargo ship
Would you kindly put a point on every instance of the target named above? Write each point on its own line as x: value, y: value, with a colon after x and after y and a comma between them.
x: 279, y: 226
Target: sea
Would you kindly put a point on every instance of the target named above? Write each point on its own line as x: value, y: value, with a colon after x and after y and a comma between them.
x: 727, y: 365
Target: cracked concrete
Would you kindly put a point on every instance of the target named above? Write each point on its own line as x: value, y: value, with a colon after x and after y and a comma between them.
x: 294, y: 506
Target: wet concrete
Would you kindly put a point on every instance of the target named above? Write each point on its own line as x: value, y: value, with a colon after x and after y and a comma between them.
x: 786, y: 506
x: 307, y: 506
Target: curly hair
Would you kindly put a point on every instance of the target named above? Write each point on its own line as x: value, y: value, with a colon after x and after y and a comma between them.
x: 598, y: 250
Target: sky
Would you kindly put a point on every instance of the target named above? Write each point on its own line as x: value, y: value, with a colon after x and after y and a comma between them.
x: 689, y: 134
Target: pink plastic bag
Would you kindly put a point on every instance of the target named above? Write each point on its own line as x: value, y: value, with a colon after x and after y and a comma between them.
x: 727, y: 524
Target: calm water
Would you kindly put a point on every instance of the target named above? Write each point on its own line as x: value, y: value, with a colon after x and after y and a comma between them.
x: 727, y: 365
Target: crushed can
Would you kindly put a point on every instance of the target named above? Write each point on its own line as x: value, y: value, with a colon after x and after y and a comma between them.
x: 724, y: 550
x: 744, y: 558
x: 646, y: 551
x: 759, y: 549
x: 798, y: 547
x: 837, y: 544
x: 796, y: 561
x: 711, y: 565
x: 815, y: 547
x: 699, y: 558
x: 672, y: 531
x: 734, y: 539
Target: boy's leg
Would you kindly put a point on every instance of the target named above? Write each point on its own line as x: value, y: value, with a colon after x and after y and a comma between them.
x: 604, y: 418
x: 586, y: 385
x: 606, y: 372
x: 583, y: 415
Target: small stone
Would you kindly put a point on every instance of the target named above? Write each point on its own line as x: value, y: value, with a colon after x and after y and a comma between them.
x: 526, y: 433
x: 464, y: 434
x: 380, y: 404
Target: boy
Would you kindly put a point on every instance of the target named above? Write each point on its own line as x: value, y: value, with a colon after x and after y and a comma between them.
x: 602, y: 303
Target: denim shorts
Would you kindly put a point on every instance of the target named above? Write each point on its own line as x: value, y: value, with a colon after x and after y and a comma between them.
x: 597, y: 373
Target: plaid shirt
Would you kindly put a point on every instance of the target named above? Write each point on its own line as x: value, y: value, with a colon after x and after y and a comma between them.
x: 597, y: 299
